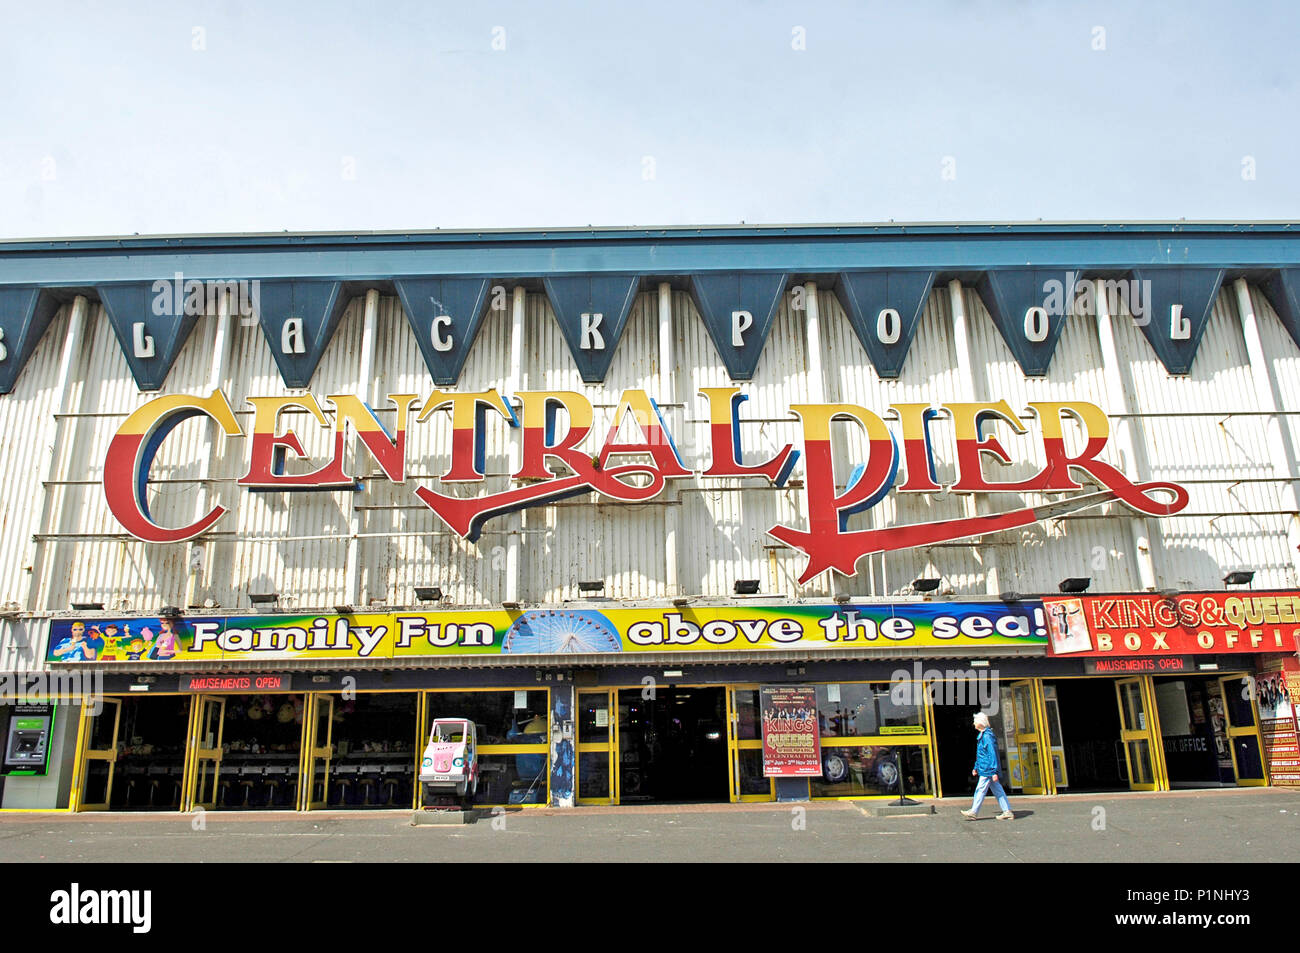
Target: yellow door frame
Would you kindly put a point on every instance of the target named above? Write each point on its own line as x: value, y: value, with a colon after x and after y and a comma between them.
x: 934, y: 744
x: 1143, y: 731
x: 88, y: 754
x: 1251, y: 730
x: 1051, y: 749
x: 736, y: 744
x: 731, y: 770
x: 198, y: 754
x: 1159, y: 766
x: 316, y: 751
x: 1030, y: 740
x: 609, y: 747
x: 187, y: 781
x: 421, y: 742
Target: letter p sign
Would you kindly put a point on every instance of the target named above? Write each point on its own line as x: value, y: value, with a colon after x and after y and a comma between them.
x: 741, y: 321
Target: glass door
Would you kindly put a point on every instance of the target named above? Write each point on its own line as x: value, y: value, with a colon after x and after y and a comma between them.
x: 1024, y: 696
x: 100, y: 756
x: 597, y: 743
x: 745, y: 746
x: 1137, y: 734
x: 320, y: 751
x: 1056, y: 742
x: 1243, y: 730
x: 204, y: 781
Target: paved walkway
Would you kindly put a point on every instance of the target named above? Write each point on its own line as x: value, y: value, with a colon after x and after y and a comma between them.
x: 1218, y: 826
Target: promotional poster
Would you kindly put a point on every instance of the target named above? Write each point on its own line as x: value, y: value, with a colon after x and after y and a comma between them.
x: 791, y: 743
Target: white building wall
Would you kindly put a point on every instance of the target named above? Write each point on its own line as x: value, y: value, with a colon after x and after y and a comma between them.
x: 1203, y: 430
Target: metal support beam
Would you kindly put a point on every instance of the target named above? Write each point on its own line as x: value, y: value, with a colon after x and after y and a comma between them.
x: 198, y: 576
x: 966, y: 384
x: 514, y: 384
x: 56, y: 440
x: 1277, y: 438
x: 1131, y: 449
x: 369, y: 333
x: 668, y: 395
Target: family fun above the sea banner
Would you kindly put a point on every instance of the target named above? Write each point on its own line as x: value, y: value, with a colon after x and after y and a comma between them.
x: 949, y: 627
x: 639, y: 470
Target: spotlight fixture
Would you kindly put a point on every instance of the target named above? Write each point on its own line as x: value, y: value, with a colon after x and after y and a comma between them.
x: 842, y: 597
x: 1241, y: 577
x: 170, y: 612
x: 746, y: 587
x: 1010, y: 597
x: 88, y: 606
x: 512, y: 606
x: 1168, y: 595
x: 681, y: 602
x: 428, y: 593
x: 925, y: 584
x: 594, y: 585
x: 264, y: 598
x: 344, y: 610
x: 1075, y: 584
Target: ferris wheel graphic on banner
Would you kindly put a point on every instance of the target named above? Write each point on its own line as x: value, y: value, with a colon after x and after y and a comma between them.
x: 561, y: 632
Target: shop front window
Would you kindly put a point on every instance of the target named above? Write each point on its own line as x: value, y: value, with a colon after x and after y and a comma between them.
x: 872, y: 771
x: 513, y: 736
x: 865, y: 709
x: 512, y: 717
x: 593, y: 717
x: 513, y: 778
x: 749, y: 724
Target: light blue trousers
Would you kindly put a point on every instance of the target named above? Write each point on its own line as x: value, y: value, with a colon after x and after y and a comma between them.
x: 983, y: 787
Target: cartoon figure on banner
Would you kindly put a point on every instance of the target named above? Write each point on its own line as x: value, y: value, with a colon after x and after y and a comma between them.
x: 165, y: 645
x: 80, y: 646
x: 136, y: 645
x: 112, y: 643
x: 1068, y: 628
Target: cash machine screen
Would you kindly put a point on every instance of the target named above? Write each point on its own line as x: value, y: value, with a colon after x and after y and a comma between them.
x: 26, y: 740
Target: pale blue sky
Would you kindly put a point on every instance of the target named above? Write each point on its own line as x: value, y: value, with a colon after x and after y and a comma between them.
x: 342, y: 117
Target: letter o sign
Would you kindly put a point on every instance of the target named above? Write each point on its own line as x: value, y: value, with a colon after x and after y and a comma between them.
x: 1036, y: 325
x: 888, y: 326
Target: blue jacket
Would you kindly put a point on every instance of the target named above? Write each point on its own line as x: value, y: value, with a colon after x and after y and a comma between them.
x: 986, y: 754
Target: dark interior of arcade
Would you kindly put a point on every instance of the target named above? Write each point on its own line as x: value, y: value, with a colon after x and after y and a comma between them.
x: 149, y: 741
x: 672, y: 746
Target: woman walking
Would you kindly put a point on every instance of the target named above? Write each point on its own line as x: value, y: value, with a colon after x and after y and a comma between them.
x: 986, y: 767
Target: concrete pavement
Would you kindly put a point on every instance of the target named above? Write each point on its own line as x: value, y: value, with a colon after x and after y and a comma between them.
x: 1218, y: 826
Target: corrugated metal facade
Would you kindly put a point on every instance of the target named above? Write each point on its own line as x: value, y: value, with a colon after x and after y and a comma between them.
x: 1204, y: 430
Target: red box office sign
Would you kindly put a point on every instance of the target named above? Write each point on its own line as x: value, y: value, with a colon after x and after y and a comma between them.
x: 1193, y: 623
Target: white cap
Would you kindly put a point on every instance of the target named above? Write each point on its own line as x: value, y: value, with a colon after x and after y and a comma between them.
x: 981, y: 719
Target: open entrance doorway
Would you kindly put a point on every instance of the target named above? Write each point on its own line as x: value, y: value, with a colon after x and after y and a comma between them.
x: 1014, y: 712
x: 1209, y: 731
x: 362, y: 750
x: 246, y: 752
x: 134, y: 756
x: 673, y: 745
x: 1087, y: 749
